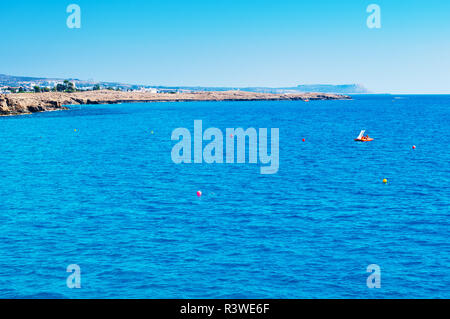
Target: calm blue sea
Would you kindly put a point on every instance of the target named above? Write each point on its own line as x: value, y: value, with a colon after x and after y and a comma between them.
x: 109, y: 198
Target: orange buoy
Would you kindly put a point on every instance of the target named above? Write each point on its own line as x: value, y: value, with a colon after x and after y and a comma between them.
x: 385, y: 181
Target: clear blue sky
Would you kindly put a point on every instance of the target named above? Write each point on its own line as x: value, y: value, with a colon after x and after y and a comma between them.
x: 232, y: 42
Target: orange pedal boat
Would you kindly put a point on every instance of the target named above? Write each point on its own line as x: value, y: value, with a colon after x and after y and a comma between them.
x: 362, y: 138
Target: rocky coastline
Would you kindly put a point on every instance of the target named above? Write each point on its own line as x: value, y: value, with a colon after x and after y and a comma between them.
x: 27, y: 103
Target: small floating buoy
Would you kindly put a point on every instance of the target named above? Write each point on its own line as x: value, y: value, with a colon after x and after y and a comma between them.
x: 231, y: 135
x: 199, y: 193
x: 413, y: 147
x: 385, y: 180
x: 151, y: 132
x: 303, y: 140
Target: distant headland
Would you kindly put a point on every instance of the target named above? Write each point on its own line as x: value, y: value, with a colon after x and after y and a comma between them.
x: 25, y: 95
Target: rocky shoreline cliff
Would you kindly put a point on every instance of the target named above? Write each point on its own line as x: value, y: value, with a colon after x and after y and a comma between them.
x: 27, y: 103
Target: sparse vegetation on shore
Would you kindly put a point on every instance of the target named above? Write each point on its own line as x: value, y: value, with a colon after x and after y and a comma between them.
x: 25, y: 103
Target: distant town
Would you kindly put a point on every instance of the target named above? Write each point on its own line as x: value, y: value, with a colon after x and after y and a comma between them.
x: 21, y: 84
x: 14, y: 84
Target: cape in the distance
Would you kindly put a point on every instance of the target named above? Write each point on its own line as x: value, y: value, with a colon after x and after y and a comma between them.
x: 31, y: 83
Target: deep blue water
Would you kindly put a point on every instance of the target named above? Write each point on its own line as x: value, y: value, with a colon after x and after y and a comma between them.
x: 109, y: 198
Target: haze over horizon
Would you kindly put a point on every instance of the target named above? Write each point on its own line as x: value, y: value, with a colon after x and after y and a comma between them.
x: 232, y: 44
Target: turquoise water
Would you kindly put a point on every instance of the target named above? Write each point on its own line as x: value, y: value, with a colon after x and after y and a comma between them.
x: 108, y: 198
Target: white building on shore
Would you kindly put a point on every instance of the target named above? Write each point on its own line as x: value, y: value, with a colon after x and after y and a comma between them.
x: 148, y: 90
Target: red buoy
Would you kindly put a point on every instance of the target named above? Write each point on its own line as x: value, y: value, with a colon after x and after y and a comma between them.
x: 414, y: 147
x: 199, y: 193
x: 303, y: 140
